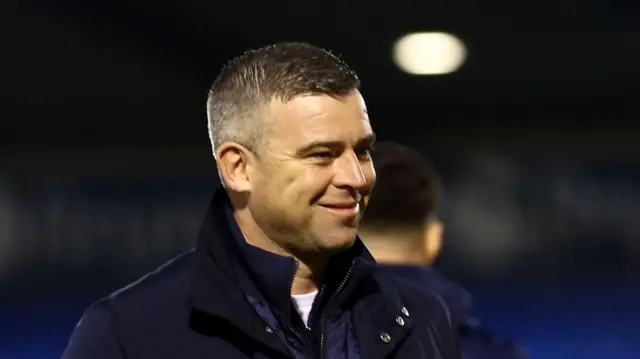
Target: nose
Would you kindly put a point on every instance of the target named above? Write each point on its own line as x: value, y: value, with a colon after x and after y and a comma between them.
x: 349, y: 172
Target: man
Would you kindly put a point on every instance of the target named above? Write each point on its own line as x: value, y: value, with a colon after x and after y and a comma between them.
x: 277, y: 271
x: 403, y: 232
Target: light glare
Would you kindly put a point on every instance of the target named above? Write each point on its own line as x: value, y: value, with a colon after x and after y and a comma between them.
x: 429, y: 53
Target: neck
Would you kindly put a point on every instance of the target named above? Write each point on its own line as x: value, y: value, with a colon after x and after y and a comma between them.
x: 395, y: 249
x: 308, y: 274
x: 306, y: 280
x: 384, y: 256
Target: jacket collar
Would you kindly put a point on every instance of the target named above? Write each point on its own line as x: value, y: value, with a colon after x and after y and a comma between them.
x: 213, y: 287
x: 221, y: 253
x: 215, y: 290
x: 271, y: 274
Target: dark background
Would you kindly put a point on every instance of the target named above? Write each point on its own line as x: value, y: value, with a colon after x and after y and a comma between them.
x: 105, y: 164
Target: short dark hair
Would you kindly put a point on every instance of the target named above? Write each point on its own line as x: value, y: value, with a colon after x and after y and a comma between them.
x: 407, y: 191
x: 248, y: 83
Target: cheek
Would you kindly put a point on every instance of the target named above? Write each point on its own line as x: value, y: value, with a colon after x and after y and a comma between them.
x: 312, y: 183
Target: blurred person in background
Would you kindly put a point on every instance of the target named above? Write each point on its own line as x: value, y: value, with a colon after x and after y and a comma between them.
x: 278, y: 271
x: 402, y: 231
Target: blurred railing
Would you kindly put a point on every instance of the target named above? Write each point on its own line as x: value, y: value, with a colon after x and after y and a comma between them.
x: 545, y: 245
x: 502, y: 215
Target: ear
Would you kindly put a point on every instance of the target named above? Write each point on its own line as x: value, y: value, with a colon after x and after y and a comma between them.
x: 432, y: 240
x: 235, y: 163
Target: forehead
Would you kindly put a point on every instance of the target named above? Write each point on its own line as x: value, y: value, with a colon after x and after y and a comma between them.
x: 310, y: 118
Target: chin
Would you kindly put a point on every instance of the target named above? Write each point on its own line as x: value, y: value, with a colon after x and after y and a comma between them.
x: 340, y: 240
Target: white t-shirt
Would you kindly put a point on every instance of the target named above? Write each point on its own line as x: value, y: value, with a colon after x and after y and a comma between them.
x: 303, y: 304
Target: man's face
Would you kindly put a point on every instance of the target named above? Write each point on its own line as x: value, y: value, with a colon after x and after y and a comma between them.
x: 314, y: 173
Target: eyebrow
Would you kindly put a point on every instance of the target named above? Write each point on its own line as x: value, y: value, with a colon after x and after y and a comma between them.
x: 368, y: 140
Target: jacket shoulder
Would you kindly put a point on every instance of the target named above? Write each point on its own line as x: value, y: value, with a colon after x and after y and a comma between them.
x: 133, y: 308
x: 167, y: 283
x: 95, y: 335
x: 430, y: 314
x: 428, y: 303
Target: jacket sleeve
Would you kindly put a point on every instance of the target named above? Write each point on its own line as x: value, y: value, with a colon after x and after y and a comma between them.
x: 478, y: 343
x: 95, y: 336
x: 441, y: 327
x: 447, y: 330
x: 456, y: 348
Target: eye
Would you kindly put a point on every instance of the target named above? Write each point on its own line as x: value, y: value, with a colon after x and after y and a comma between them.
x: 364, y: 152
x: 322, y: 155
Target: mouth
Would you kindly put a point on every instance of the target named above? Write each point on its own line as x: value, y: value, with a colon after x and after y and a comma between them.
x: 342, y: 209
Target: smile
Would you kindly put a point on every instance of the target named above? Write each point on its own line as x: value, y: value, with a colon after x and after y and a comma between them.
x: 345, y: 209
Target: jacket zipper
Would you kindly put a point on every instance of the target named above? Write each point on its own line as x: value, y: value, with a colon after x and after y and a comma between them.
x: 340, y: 287
x: 291, y: 291
x: 318, y: 297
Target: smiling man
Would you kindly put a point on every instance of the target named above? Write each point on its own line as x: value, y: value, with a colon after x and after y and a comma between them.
x: 278, y: 270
